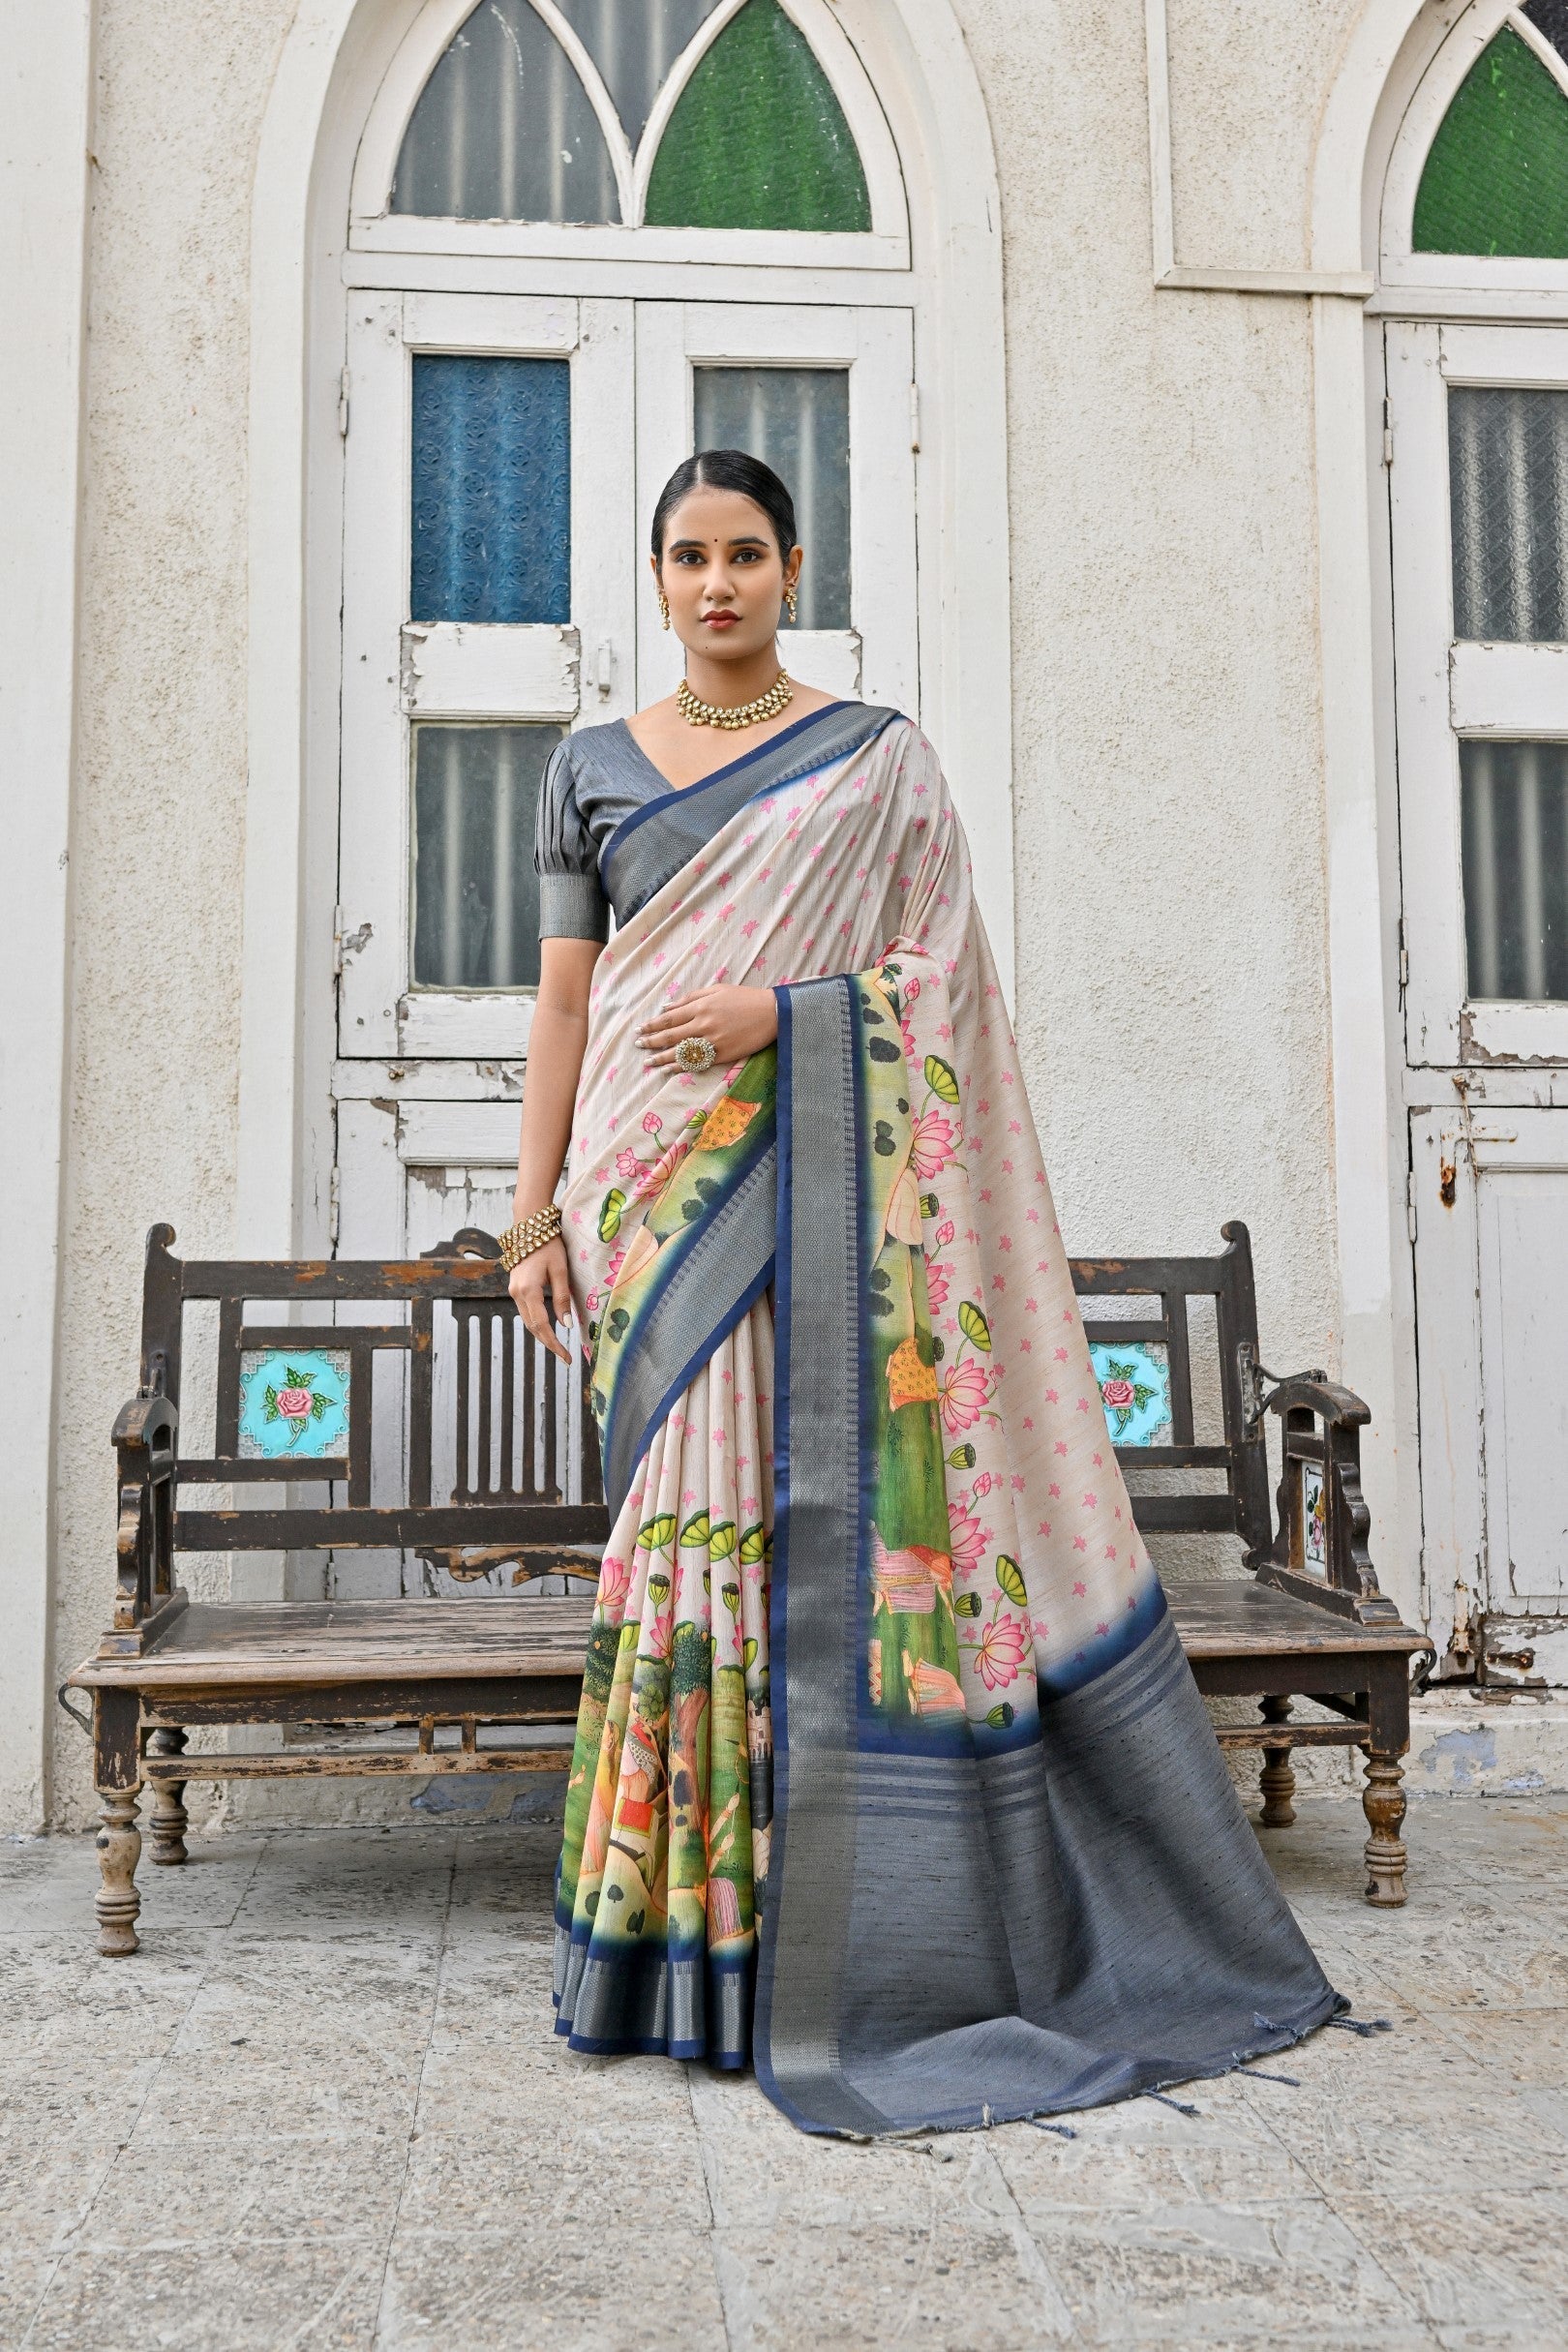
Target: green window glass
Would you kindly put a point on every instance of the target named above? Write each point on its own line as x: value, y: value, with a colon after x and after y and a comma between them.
x: 1495, y: 181
x: 758, y: 140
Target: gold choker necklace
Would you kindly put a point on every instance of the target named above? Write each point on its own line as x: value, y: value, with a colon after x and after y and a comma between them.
x: 698, y: 713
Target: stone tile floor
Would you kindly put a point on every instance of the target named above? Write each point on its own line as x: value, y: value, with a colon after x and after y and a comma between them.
x: 323, y: 2107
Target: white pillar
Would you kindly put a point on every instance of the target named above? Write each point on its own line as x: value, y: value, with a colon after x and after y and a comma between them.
x: 45, y: 109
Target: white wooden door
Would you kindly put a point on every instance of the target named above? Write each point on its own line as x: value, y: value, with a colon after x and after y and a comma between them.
x: 826, y: 396
x: 1490, y: 1192
x: 488, y: 468
x: 472, y: 417
x: 1479, y: 512
x: 1479, y: 490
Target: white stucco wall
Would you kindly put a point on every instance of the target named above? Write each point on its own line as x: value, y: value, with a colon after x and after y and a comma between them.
x: 160, y: 765
x: 1172, y: 983
x: 1172, y: 991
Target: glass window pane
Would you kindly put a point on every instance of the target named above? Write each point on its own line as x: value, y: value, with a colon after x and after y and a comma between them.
x: 1508, y: 497
x: 634, y: 46
x: 758, y: 140
x: 503, y: 130
x: 491, y: 490
x: 1515, y: 820
x: 1495, y: 180
x: 475, y: 918
x: 796, y: 420
x: 1551, y: 17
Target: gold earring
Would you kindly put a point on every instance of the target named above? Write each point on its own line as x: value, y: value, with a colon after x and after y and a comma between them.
x: 664, y: 608
x: 789, y: 600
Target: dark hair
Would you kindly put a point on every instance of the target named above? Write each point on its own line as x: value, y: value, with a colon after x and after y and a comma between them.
x: 728, y: 469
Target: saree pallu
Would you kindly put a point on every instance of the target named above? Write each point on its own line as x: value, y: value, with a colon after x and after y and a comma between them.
x: 890, y: 1775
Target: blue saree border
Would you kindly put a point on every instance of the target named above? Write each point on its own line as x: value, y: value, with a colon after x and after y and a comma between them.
x: 693, y: 792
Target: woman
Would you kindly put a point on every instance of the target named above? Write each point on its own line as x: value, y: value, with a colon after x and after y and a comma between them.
x: 889, y: 1771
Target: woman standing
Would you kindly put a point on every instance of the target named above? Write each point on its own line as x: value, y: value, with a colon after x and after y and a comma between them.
x: 889, y: 1771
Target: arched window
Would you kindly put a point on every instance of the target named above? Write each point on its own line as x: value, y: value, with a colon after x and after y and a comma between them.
x: 1495, y: 180
x: 685, y: 114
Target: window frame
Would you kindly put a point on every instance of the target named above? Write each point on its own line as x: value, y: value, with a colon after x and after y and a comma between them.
x: 1401, y: 268
x: 374, y: 229
x: 1447, y: 689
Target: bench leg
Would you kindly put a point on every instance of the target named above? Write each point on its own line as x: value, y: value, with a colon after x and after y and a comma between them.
x: 1277, y: 1782
x: 119, y: 1850
x: 169, y: 1819
x: 1382, y: 1800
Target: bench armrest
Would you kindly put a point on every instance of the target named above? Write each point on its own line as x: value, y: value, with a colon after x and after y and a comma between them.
x: 145, y: 1441
x: 1320, y: 1552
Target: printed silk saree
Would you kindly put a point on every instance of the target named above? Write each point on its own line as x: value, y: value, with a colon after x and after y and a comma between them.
x: 889, y: 1773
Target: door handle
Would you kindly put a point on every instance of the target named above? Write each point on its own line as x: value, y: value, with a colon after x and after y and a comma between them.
x: 604, y: 667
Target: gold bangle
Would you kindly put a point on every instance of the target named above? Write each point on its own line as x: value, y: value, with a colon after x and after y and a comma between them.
x: 530, y: 1233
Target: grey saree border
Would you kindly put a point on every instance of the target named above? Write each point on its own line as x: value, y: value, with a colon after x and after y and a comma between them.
x: 726, y: 1270
x: 648, y: 848
x: 818, y: 1536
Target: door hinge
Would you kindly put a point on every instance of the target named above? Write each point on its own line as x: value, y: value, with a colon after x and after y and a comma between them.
x: 342, y: 403
x: 604, y: 669
x: 1404, y: 960
x: 334, y: 1205
x: 337, y: 943
x: 1410, y: 1202
x: 1388, y: 438
x: 914, y: 416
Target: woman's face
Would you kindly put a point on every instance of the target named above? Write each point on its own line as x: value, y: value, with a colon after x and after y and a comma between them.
x: 723, y: 574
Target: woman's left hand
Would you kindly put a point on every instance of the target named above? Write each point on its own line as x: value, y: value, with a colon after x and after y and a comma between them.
x: 736, y: 1022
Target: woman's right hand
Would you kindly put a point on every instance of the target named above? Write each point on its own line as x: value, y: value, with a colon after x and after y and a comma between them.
x: 542, y: 1294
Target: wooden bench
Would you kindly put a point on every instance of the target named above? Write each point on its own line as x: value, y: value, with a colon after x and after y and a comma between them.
x: 449, y: 1452
x: 1307, y: 1621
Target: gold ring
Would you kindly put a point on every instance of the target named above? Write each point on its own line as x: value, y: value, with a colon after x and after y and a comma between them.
x: 695, y: 1054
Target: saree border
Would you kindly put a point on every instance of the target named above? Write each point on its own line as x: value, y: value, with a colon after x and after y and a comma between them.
x: 759, y: 771
x: 819, y: 1538
x: 721, y: 1276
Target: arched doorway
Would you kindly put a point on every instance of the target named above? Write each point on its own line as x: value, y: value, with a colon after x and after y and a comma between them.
x: 1473, y: 271
x: 540, y: 191
x: 505, y: 274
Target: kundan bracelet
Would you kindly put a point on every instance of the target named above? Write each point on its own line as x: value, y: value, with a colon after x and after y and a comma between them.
x: 520, y: 1240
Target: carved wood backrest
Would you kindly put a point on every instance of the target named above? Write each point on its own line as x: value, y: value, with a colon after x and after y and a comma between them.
x: 339, y: 1379
x: 1145, y: 1369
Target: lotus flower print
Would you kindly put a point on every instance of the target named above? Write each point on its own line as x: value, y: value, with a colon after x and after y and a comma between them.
x: 964, y: 1391
x: 931, y: 1145
x: 1000, y: 1651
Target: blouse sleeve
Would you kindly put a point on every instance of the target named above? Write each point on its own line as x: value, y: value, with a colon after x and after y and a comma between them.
x: 571, y: 903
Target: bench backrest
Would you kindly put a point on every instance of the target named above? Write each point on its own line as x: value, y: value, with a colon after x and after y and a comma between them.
x: 488, y: 1439
x: 1145, y: 1367
x: 415, y: 1375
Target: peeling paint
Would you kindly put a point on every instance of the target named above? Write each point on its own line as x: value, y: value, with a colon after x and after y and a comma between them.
x: 1467, y: 1753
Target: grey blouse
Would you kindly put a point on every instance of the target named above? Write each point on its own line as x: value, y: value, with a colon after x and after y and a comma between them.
x: 600, y: 790
x: 594, y: 780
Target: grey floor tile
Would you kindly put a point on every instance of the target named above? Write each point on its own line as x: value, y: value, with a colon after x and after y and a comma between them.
x: 322, y: 2087
x: 164, y: 2193
x: 551, y: 2285
x: 60, y: 1997
x: 227, y: 2297
x: 971, y: 2290
x: 1495, y: 2263
x: 459, y: 2179
x: 1180, y: 2275
x: 25, y: 2273
x: 47, y: 2186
